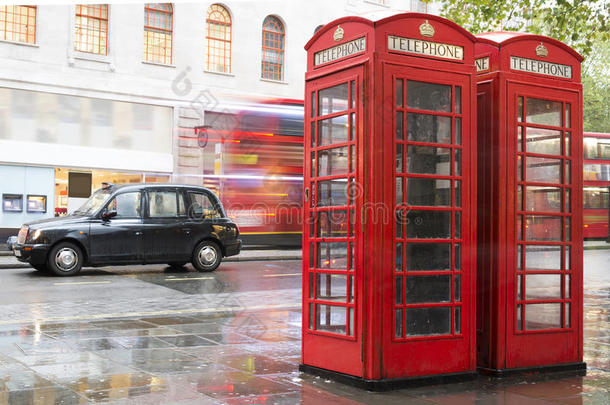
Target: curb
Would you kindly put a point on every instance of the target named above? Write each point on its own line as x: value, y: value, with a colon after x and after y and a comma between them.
x: 229, y: 259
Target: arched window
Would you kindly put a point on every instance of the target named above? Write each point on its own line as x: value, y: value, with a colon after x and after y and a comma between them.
x: 18, y: 23
x: 218, y: 39
x: 158, y: 27
x: 91, y: 28
x: 272, y: 64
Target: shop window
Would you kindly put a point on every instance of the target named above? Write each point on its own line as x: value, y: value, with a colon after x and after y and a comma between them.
x: 218, y: 39
x: 18, y: 23
x: 37, y: 203
x: 273, y: 49
x: 91, y: 28
x: 12, y: 202
x: 158, y: 30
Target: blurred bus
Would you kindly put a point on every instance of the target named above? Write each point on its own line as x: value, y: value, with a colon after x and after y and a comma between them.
x: 596, y: 176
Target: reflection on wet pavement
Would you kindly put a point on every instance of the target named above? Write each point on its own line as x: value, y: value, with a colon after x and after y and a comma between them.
x: 241, y: 357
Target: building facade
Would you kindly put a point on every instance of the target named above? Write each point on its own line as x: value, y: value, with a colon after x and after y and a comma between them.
x: 113, y: 92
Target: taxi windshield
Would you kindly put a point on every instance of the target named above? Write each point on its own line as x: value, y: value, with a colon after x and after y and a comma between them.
x: 94, y: 203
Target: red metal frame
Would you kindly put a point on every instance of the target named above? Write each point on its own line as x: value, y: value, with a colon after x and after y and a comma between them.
x: 375, y: 352
x: 542, y: 214
x: 12, y: 24
x: 91, y: 28
x: 272, y: 60
x: 158, y: 32
x: 218, y: 39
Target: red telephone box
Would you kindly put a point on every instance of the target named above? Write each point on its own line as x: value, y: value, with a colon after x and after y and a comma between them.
x: 389, y: 197
x: 529, y: 298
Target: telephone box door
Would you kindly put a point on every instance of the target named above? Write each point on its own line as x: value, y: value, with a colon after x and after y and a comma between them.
x: 544, y: 273
x: 429, y: 315
x: 332, y: 314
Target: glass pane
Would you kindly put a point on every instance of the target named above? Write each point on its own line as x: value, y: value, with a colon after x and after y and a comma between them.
x: 399, y: 94
x: 351, y: 321
x: 352, y: 130
x: 313, y: 134
x: 543, y: 257
x: 519, y: 287
x: 519, y: 198
x: 399, y: 158
x: 519, y: 227
x: 567, y: 176
x: 520, y: 139
x: 428, y: 224
x: 428, y: 128
x: 333, y: 99
x: 351, y: 256
x: 568, y: 323
x: 567, y: 147
x: 458, y: 163
x: 332, y: 192
x: 457, y: 288
x: 313, y: 104
x: 311, y: 316
x: 542, y: 286
x: 332, y: 224
x: 457, y: 226
x: 313, y: 164
x: 428, y: 256
x: 567, y: 235
x: 400, y: 220
x: 331, y: 287
x: 331, y: 319
x: 352, y: 96
x: 352, y: 156
x: 428, y: 192
x: 458, y: 320
x: 428, y: 321
x: 332, y: 130
x: 568, y: 116
x: 350, y: 289
x: 520, y: 109
x: 352, y: 222
x: 398, y: 294
x: 399, y: 265
x: 428, y: 96
x: 519, y: 168
x: 311, y: 285
x: 458, y: 131
x: 332, y: 255
x: 428, y: 289
x: 519, y: 257
x: 567, y: 263
x: 333, y: 162
x: 543, y: 199
x: 161, y: 204
x: 542, y: 227
x: 311, y: 253
x: 400, y: 125
x: 542, y: 316
x: 457, y: 261
x: 399, y: 323
x: 543, y: 112
x: 543, y: 170
x: 544, y: 141
x: 428, y: 160
x: 458, y: 99
x: 458, y: 193
x: 519, y: 317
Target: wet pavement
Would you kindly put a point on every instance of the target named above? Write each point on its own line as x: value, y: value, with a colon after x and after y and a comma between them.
x: 153, y: 335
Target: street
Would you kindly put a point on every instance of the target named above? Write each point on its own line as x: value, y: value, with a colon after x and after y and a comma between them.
x: 150, y: 334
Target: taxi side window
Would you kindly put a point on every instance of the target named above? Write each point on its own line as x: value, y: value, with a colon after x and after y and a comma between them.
x: 162, y: 204
x: 126, y: 205
x: 201, y: 207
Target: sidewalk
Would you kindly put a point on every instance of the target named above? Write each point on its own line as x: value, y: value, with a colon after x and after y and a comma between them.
x: 9, y: 261
x: 596, y: 244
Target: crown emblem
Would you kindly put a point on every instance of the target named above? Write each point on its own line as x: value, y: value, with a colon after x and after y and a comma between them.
x: 426, y: 30
x: 542, y: 51
x: 338, y: 35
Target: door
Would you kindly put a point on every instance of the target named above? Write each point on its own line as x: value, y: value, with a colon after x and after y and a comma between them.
x: 428, y: 310
x: 166, y: 232
x: 120, y: 238
x: 332, y: 316
x: 545, y: 257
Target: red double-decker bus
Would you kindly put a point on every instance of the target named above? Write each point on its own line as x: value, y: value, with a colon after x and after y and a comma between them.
x: 596, y: 184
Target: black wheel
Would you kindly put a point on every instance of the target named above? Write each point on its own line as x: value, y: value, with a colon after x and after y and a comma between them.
x: 176, y: 265
x: 206, y: 256
x: 65, y: 259
x: 40, y: 267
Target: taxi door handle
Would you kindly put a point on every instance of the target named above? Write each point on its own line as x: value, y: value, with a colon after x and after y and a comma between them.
x: 186, y: 230
x: 137, y: 233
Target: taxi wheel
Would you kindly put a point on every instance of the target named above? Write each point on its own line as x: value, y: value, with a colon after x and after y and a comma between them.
x: 65, y: 259
x: 206, y: 256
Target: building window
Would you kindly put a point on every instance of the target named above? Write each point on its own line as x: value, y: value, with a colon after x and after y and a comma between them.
x: 18, y: 23
x: 91, y: 28
x: 158, y: 26
x: 419, y: 6
x: 218, y: 39
x: 273, y: 49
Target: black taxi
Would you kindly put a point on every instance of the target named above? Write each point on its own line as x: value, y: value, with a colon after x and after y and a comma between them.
x: 133, y: 224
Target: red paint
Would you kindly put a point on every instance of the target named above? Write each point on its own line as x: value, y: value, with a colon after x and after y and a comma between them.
x: 552, y: 335
x: 371, y: 345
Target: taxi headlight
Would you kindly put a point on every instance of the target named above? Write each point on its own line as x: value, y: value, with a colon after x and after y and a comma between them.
x: 35, y: 235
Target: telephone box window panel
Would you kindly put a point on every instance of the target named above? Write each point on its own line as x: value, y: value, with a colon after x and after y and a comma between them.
x: 37, y: 203
x: 12, y: 202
